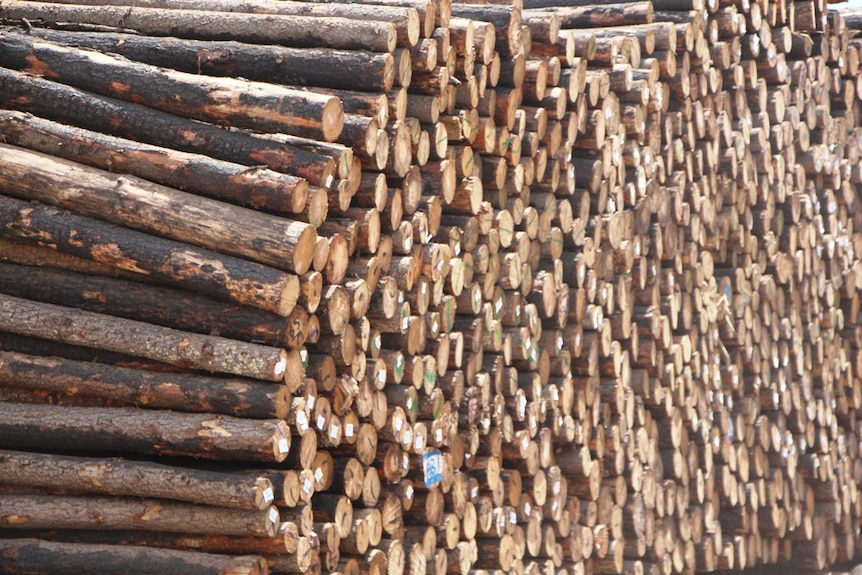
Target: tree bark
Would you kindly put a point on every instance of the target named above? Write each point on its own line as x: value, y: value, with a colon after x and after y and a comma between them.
x: 236, y: 102
x: 72, y: 106
x: 298, y: 31
x: 135, y: 478
x: 97, y: 512
x: 132, y: 430
x: 169, y: 307
x: 182, y: 265
x: 405, y: 19
x: 138, y: 204
x: 313, y: 67
x: 253, y: 187
x: 174, y: 347
x: 130, y: 386
x: 35, y: 557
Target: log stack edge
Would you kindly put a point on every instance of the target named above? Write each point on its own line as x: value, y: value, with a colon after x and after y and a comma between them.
x: 417, y: 287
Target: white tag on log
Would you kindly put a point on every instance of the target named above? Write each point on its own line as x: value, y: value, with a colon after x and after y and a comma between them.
x: 432, y: 464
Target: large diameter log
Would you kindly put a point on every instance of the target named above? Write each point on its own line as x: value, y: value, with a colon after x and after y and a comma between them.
x: 131, y: 386
x: 116, y: 476
x: 321, y: 67
x: 98, y: 512
x: 254, y: 187
x: 36, y: 557
x: 299, y: 31
x: 174, y: 347
x: 161, y: 305
x: 223, y: 101
x: 405, y: 18
x: 133, y: 430
x: 182, y: 265
x: 72, y: 106
x: 139, y: 204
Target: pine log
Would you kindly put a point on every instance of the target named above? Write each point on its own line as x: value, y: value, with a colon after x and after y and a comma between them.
x: 601, y: 15
x: 147, y: 207
x: 174, y: 347
x: 169, y: 307
x: 131, y: 386
x: 313, y: 67
x: 98, y: 512
x: 254, y: 187
x: 227, y: 101
x: 133, y: 430
x: 35, y: 557
x: 223, y: 277
x: 298, y: 31
x: 135, y: 478
x: 406, y: 19
x: 72, y: 106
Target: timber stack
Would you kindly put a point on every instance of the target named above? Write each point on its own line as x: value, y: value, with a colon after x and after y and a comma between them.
x: 414, y: 287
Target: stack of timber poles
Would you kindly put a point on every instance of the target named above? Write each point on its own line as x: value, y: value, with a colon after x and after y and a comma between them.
x: 427, y: 288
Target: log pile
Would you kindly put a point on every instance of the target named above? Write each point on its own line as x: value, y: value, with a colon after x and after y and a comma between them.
x: 416, y: 287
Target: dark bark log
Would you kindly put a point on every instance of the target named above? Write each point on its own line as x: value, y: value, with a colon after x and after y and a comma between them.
x: 299, y: 31
x: 600, y: 15
x: 97, y: 512
x: 174, y: 347
x: 225, y: 101
x: 138, y: 204
x: 135, y: 478
x: 205, y: 543
x: 133, y: 430
x: 72, y: 106
x: 323, y: 67
x: 405, y: 19
x: 35, y: 557
x: 169, y: 307
x: 80, y: 382
x: 223, y: 277
x: 253, y: 187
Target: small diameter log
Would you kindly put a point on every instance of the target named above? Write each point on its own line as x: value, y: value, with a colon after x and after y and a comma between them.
x: 33, y: 556
x: 174, y: 347
x: 135, y: 478
x: 225, y: 101
x: 159, y: 210
x: 253, y: 187
x: 224, y: 277
x: 97, y: 512
x: 299, y: 31
x: 603, y: 15
x: 72, y: 106
x: 133, y: 430
x: 320, y: 67
x: 129, y: 386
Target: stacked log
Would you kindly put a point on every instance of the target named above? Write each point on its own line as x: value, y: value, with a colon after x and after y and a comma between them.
x: 426, y: 288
